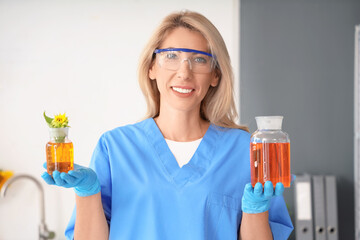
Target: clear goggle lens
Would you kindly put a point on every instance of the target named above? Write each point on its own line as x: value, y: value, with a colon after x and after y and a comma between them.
x: 172, y: 58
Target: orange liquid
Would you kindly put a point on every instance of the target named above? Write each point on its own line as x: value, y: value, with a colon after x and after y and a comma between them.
x: 59, y: 156
x: 270, y: 162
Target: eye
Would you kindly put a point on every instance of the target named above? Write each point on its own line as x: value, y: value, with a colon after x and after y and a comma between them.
x: 200, y: 59
x: 171, y: 56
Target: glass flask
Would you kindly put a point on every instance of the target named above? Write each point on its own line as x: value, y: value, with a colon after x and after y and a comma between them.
x: 59, y: 151
x: 270, y: 152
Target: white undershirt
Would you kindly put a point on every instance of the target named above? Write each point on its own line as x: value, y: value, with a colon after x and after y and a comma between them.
x: 183, y: 151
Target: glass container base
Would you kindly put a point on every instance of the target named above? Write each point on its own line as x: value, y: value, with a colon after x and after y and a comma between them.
x: 59, y: 156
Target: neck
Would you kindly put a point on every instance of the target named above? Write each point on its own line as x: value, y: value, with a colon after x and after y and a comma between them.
x: 181, y: 126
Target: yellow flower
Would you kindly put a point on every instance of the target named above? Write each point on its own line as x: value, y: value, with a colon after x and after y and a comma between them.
x: 4, y: 176
x: 59, y: 121
x: 61, y: 118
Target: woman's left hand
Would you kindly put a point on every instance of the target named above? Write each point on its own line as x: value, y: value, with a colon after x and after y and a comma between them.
x: 257, y: 200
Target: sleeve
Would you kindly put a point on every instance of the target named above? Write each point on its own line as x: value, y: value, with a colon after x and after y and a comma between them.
x: 279, y: 219
x: 100, y: 164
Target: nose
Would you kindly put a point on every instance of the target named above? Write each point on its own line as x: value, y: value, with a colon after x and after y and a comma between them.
x: 184, y: 70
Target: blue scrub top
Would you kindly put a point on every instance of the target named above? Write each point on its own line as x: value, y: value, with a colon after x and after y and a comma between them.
x: 146, y: 195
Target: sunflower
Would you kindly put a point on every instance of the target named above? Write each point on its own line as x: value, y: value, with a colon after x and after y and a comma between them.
x: 59, y: 121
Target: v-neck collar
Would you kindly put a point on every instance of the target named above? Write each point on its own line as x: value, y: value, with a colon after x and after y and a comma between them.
x: 198, y: 164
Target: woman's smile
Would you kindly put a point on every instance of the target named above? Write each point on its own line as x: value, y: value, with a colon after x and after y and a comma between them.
x: 182, y: 90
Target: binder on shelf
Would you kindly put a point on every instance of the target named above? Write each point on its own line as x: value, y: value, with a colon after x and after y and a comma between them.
x: 319, y: 207
x: 303, y: 208
x: 331, y: 208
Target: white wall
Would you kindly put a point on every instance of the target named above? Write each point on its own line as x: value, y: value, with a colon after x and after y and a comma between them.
x: 78, y: 57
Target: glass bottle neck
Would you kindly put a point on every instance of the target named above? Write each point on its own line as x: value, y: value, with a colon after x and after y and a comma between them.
x: 59, y: 139
x: 58, y: 135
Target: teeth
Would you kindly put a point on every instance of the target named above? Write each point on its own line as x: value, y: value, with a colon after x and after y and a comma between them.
x: 182, y: 90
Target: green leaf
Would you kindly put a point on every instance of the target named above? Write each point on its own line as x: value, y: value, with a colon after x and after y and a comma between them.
x: 48, y: 119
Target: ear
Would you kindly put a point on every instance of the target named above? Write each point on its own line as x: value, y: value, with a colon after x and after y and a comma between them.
x: 215, y: 79
x: 152, y: 72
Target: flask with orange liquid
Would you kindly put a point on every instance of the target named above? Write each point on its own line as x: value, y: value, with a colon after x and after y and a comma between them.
x: 270, y: 152
x: 59, y: 151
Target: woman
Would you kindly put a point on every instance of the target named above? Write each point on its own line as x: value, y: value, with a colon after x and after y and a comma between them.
x: 183, y: 172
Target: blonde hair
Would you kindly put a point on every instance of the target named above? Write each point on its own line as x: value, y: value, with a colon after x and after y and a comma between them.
x: 218, y: 105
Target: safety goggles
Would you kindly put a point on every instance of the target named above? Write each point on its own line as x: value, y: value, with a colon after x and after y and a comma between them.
x: 172, y: 58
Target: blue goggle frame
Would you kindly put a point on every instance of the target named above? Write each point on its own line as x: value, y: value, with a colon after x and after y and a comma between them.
x: 182, y: 50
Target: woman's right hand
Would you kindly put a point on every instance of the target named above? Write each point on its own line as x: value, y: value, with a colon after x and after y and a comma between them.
x: 84, y: 180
